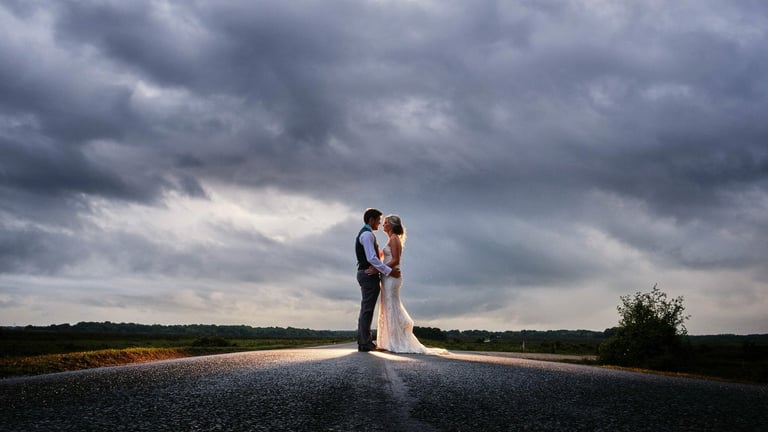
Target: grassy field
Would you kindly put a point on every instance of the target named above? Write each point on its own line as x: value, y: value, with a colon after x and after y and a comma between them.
x: 726, y: 357
x: 723, y: 358
x: 32, y: 353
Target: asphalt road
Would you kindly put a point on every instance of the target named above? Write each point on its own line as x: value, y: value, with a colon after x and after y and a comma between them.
x: 339, y: 389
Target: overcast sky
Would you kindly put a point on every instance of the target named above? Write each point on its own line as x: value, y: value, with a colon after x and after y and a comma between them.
x: 181, y: 162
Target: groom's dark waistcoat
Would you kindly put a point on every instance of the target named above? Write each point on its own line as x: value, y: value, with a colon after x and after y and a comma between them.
x: 362, y: 261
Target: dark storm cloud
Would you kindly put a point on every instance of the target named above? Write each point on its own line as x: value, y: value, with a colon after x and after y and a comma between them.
x: 51, y: 169
x: 250, y: 51
x: 33, y: 251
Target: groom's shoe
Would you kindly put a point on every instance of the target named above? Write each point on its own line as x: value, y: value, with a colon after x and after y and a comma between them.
x: 366, y: 348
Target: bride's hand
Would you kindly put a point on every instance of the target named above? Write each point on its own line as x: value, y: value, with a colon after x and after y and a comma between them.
x: 371, y: 271
x: 395, y: 273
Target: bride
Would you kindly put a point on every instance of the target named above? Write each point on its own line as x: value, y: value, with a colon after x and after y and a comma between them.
x: 395, y: 328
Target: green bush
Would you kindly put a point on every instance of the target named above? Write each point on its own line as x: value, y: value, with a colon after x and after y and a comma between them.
x: 650, y: 334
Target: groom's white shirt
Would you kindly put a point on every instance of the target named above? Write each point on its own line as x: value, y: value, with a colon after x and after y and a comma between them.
x: 366, y: 239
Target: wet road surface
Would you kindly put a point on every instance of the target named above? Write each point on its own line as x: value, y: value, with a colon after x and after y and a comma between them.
x: 338, y: 389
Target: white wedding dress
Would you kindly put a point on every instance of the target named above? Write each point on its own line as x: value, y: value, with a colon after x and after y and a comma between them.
x: 395, y: 328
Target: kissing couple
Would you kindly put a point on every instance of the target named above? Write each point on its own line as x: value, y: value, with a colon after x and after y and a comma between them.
x: 378, y: 271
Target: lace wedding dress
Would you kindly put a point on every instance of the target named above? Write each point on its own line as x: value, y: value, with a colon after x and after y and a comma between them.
x: 395, y: 328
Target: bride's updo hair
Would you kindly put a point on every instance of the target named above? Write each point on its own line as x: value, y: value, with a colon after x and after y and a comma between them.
x: 397, y: 227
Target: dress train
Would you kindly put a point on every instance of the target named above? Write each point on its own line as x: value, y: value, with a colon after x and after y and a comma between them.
x: 395, y: 327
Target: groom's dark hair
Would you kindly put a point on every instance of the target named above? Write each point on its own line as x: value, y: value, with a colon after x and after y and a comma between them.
x: 371, y: 213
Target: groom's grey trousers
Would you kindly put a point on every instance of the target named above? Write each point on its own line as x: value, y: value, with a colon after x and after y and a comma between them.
x: 370, y: 285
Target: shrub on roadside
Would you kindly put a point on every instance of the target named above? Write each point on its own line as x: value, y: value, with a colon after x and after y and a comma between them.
x: 650, y: 334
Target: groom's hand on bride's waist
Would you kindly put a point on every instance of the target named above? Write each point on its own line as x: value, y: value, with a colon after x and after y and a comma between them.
x: 395, y: 273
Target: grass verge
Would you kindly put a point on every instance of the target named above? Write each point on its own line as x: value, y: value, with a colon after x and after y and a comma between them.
x: 11, y: 366
x: 49, y: 363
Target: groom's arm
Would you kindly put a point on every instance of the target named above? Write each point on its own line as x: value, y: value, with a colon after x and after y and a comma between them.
x: 366, y: 239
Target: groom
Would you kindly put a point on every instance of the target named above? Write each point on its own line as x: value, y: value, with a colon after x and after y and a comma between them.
x: 367, y: 251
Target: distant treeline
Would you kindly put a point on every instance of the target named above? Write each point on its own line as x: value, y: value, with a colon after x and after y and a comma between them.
x: 231, y: 331
x: 432, y: 333
x: 580, y: 336
x: 523, y: 335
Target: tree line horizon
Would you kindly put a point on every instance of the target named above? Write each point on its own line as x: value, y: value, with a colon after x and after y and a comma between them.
x: 243, y: 330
